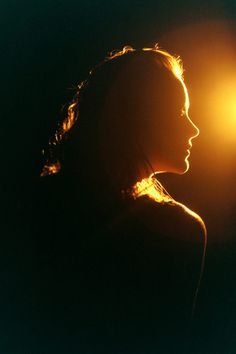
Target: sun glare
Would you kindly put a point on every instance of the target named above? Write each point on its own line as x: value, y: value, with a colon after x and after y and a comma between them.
x: 222, y: 104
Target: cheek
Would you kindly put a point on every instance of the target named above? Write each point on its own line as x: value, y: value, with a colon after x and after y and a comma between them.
x: 165, y: 136
x: 168, y: 137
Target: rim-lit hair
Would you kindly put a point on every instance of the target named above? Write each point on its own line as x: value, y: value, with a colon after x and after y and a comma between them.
x: 171, y: 62
x: 149, y: 186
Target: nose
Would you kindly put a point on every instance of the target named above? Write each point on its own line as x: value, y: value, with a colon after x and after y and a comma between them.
x: 194, y: 129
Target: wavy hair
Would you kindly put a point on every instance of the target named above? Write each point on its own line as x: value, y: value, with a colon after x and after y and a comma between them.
x: 52, y: 164
x: 149, y: 186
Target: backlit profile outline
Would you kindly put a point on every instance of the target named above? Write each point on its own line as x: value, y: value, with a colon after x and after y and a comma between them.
x: 149, y: 186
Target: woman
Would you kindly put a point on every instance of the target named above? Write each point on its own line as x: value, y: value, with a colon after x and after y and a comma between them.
x: 135, y: 255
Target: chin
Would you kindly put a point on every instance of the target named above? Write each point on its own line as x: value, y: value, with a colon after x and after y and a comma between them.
x: 182, y: 168
x: 179, y: 167
x: 185, y: 167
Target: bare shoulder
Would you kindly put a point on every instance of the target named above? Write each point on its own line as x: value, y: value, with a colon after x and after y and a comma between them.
x: 172, y: 222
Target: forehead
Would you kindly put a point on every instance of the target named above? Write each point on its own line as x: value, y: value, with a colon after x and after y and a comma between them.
x: 167, y: 91
x: 152, y: 79
x: 142, y: 83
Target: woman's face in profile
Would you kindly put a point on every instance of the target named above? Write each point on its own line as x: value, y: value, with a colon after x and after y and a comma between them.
x: 146, y: 116
x: 169, y: 128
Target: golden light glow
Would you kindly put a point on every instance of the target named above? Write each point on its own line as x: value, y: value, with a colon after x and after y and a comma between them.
x: 149, y: 186
x: 222, y: 106
x: 50, y: 169
x: 70, y: 119
x: 152, y: 188
x: 186, y: 113
x: 212, y: 79
x: 175, y: 65
x: 117, y: 53
x: 68, y: 123
x: 172, y: 63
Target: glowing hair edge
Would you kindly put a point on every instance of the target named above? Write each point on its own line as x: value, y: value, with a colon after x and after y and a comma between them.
x: 172, y: 63
x: 149, y: 186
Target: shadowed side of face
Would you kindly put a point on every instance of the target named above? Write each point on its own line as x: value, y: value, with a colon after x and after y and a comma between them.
x: 168, y: 130
x: 146, y: 110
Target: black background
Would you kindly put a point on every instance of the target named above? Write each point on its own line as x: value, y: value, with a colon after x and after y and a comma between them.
x: 48, y: 48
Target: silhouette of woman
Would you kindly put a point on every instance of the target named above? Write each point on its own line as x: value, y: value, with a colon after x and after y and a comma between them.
x: 128, y: 256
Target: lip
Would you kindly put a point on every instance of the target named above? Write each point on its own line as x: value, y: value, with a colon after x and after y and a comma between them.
x: 188, y: 151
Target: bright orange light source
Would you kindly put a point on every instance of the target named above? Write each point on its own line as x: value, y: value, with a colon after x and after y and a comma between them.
x: 222, y: 103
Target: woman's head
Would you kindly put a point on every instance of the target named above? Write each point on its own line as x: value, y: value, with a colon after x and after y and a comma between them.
x: 146, y: 113
x: 132, y: 117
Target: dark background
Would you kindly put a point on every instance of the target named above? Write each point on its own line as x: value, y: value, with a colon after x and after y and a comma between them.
x: 47, y: 48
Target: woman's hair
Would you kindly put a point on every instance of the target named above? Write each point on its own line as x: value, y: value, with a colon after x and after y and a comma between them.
x: 90, y: 95
x: 102, y: 113
x: 111, y: 94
